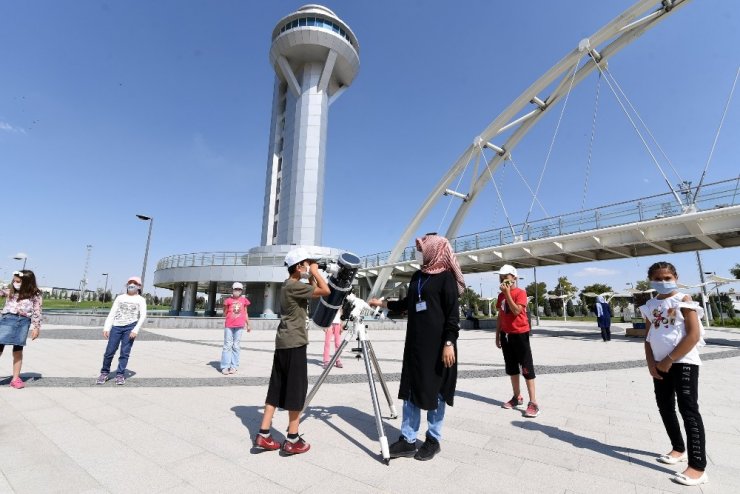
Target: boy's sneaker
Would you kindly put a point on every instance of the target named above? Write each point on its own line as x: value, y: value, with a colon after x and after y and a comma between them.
x: 532, y: 410
x: 102, y: 378
x: 120, y: 380
x: 17, y: 383
x: 296, y: 448
x: 427, y: 451
x: 267, y: 443
x: 514, y: 402
x: 402, y: 449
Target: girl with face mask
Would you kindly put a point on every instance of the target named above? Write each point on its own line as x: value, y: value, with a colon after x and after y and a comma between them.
x: 674, y: 334
x: 22, y: 311
x: 236, y: 318
x: 121, y: 328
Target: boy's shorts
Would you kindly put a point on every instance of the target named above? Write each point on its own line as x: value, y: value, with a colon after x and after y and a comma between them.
x: 517, y: 352
x: 289, y: 379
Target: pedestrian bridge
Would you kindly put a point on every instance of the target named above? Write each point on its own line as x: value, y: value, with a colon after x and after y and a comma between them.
x: 643, y: 227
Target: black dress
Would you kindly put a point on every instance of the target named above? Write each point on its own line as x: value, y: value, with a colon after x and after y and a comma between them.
x: 423, y: 375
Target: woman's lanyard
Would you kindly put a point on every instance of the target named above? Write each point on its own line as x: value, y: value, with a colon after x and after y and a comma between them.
x: 420, y: 304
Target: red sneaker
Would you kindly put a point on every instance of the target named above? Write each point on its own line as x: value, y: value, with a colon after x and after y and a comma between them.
x: 296, y: 448
x: 266, y: 443
x: 17, y: 383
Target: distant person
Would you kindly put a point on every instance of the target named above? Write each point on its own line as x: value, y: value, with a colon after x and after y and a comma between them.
x: 429, y: 372
x: 512, y: 337
x: 470, y: 316
x: 333, y: 332
x: 674, y: 334
x: 121, y: 327
x: 22, y: 311
x: 289, y: 376
x: 236, y: 319
x: 604, y: 318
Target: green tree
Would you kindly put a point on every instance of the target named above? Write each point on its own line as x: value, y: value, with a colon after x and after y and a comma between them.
x: 642, y: 285
x: 541, y: 291
x: 736, y: 271
x: 569, y: 307
x: 470, y: 299
x: 715, y: 309
x: 597, y: 288
x: 548, y: 308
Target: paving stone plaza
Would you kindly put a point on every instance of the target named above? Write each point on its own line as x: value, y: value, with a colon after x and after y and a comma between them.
x: 178, y: 425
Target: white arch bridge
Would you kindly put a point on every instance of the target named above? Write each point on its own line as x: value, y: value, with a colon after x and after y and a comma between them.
x: 685, y: 218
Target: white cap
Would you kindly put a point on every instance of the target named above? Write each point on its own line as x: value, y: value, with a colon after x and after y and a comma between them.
x: 237, y: 285
x: 296, y: 255
x: 507, y: 269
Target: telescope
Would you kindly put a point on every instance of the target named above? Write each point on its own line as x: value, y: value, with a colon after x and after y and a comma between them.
x: 341, y: 274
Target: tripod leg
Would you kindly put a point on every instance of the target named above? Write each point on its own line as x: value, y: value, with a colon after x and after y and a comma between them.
x: 324, y: 375
x: 376, y: 405
x: 381, y: 378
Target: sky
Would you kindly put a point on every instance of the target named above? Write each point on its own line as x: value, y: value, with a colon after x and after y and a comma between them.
x: 112, y: 109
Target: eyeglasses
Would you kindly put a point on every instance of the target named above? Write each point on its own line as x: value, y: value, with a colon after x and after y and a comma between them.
x: 18, y: 274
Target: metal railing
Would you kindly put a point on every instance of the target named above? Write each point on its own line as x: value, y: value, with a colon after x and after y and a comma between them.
x: 201, y: 259
x: 712, y: 196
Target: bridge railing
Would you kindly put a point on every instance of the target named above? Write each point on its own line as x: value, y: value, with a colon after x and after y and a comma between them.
x: 201, y: 259
x: 715, y: 195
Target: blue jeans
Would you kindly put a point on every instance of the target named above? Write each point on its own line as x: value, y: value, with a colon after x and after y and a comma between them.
x: 231, y: 351
x: 119, y: 335
x: 412, y: 418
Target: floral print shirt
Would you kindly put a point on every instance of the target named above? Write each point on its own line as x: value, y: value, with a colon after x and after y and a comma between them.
x: 28, y: 307
x: 667, y: 326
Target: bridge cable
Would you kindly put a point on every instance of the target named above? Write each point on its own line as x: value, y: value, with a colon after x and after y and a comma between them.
x: 591, y: 143
x: 498, y: 193
x: 462, y: 174
x: 639, y: 134
x: 511, y: 159
x: 716, y: 136
x: 552, y: 143
x: 608, y: 72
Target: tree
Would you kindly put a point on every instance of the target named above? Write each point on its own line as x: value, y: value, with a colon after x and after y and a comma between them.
x: 564, y: 287
x: 74, y: 297
x: 597, y: 288
x: 736, y: 271
x: 541, y: 291
x: 548, y: 308
x: 470, y: 298
x: 642, y: 285
x: 569, y: 307
x: 715, y: 309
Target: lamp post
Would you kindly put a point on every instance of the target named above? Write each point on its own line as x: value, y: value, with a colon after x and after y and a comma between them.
x: 20, y: 256
x: 719, y: 300
x: 105, y: 290
x: 148, y: 240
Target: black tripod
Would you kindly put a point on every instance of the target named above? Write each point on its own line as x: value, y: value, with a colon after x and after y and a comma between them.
x: 356, y: 329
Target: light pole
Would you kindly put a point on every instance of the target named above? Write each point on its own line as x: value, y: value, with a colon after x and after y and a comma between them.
x: 146, y: 252
x: 719, y: 300
x: 20, y: 256
x: 105, y: 290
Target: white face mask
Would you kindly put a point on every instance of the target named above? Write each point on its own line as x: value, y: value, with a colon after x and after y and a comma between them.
x: 132, y: 288
x: 236, y: 293
x: 17, y: 286
x: 419, y: 256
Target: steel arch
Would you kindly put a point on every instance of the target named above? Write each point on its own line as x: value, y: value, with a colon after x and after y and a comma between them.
x: 614, y: 36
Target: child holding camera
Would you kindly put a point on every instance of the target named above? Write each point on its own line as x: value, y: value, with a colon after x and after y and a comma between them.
x: 512, y: 337
x: 289, y: 377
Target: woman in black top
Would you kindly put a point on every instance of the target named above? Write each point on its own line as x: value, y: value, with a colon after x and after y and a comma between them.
x: 429, y: 372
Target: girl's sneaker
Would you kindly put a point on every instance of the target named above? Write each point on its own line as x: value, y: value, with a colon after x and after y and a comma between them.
x: 17, y: 383
x: 120, y: 380
x: 225, y: 371
x: 532, y: 410
x: 232, y: 370
x: 102, y: 378
x: 514, y: 402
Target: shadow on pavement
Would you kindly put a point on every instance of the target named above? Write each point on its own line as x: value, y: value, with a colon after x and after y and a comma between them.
x: 617, y: 452
x: 251, y: 418
x: 476, y: 397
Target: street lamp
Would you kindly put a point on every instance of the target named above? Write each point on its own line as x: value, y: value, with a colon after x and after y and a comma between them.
x: 20, y: 256
x: 148, y: 239
x: 105, y: 290
x: 719, y: 300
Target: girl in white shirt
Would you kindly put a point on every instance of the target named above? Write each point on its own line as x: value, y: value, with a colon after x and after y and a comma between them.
x: 674, y: 334
x: 121, y: 327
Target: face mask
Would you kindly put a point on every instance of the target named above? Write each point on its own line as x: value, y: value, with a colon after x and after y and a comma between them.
x: 664, y: 287
x: 419, y: 256
x: 236, y: 293
x: 17, y: 286
x: 132, y: 288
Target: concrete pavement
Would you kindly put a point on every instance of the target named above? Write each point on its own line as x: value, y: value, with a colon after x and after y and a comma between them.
x: 178, y: 425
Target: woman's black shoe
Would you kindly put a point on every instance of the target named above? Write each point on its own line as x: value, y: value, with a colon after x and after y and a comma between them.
x: 402, y: 449
x: 428, y: 449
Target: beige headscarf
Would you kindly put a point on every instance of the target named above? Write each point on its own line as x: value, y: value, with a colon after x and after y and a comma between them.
x: 438, y: 257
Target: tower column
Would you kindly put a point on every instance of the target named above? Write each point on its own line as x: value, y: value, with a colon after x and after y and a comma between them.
x: 188, y: 303
x: 176, y: 299
x: 211, y: 304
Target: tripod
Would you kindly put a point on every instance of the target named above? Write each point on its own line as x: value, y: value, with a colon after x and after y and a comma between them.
x: 356, y: 329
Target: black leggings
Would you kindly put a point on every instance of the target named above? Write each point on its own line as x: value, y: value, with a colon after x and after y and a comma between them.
x: 16, y: 348
x: 606, y: 334
x: 682, y: 382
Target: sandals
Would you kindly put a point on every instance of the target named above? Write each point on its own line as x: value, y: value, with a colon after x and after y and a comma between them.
x: 684, y: 480
x: 672, y: 460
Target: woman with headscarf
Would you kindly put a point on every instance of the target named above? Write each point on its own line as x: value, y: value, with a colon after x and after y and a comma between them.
x: 604, y: 318
x: 429, y: 373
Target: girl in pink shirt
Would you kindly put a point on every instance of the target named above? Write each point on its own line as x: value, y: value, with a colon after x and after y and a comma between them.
x: 235, y: 312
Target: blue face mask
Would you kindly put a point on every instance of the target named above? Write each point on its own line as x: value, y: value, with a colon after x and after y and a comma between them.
x: 664, y: 287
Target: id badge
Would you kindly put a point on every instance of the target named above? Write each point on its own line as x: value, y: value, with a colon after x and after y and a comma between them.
x: 421, y: 306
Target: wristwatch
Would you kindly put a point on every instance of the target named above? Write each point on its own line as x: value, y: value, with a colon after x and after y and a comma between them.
x: 448, y: 343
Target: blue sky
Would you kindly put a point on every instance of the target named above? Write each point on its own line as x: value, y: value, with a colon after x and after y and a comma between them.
x: 109, y: 109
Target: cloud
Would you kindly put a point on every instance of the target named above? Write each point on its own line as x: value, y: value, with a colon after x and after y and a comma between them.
x: 10, y: 128
x: 596, y: 272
